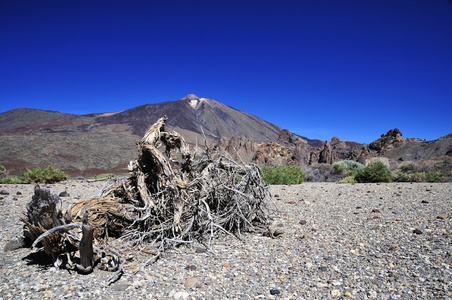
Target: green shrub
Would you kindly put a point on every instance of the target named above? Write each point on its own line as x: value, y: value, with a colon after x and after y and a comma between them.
x: 105, y: 176
x: 435, y: 176
x: 339, y: 166
x: 11, y: 180
x: 47, y: 175
x: 400, y: 176
x: 375, y: 172
x: 2, y: 168
x: 418, y: 176
x: 283, y: 175
x: 347, y: 165
x: 349, y: 179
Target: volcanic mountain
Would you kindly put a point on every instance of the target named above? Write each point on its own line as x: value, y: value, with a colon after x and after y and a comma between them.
x: 89, y: 144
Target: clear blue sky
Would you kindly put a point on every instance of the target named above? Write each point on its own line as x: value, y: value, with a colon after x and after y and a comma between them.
x: 320, y: 68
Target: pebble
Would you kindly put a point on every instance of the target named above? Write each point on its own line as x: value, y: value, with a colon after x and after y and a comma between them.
x: 181, y: 295
x: 201, y: 250
x: 190, y: 282
x: 274, y: 292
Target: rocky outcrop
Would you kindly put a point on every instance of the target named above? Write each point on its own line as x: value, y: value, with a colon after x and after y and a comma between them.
x: 328, y: 155
x: 238, y: 148
x: 392, y: 139
x: 285, y: 136
x: 273, y: 154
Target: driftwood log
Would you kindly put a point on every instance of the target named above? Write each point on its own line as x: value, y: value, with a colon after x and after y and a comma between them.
x: 170, y: 197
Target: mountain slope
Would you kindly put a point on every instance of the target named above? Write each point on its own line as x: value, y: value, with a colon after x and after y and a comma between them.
x: 196, y: 114
x: 89, y: 144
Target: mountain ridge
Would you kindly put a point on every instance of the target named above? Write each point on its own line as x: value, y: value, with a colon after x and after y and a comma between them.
x: 105, y: 142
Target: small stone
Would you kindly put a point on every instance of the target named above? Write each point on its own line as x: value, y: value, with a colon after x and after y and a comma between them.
x: 190, y: 282
x: 442, y: 217
x: 190, y: 268
x: 335, y: 293
x: 226, y: 265
x: 424, y: 201
x: 14, y: 244
x: 394, y: 248
x: 180, y: 295
x: 303, y: 222
x: 322, y: 285
x: 336, y: 283
x: 64, y: 194
x: 417, y: 231
x: 307, y: 236
x: 376, y: 211
x: 4, y: 192
x: 18, y: 193
x: 372, y: 294
x: 200, y: 250
x: 119, y: 287
x: 149, y: 277
x: 347, y: 294
x: 274, y: 292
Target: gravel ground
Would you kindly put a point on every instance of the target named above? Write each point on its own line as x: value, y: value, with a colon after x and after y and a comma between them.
x: 362, y: 241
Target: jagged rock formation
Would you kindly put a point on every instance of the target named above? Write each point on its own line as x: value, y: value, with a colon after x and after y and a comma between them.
x: 387, y: 142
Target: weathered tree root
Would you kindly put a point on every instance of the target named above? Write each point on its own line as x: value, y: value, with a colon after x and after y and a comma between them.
x: 164, y: 201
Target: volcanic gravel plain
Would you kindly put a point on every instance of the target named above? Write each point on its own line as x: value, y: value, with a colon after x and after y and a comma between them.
x: 339, y: 241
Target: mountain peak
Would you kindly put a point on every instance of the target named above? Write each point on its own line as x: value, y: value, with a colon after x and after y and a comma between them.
x: 190, y: 97
x: 193, y: 100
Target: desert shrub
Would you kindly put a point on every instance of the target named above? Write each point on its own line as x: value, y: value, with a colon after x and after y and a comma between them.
x: 434, y: 170
x: 322, y: 173
x: 283, y: 175
x: 2, y: 172
x: 105, y: 176
x: 346, y: 166
x: 400, y: 176
x: 10, y: 180
x: 47, y: 175
x: 375, y: 172
x: 349, y: 179
x: 435, y: 176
